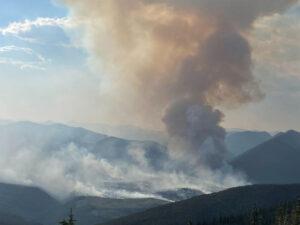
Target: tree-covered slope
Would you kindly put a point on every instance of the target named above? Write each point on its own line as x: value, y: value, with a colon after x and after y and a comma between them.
x: 233, y: 201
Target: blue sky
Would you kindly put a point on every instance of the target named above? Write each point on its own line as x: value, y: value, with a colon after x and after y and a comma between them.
x: 48, y: 39
x: 46, y: 72
x: 43, y: 75
x: 18, y: 10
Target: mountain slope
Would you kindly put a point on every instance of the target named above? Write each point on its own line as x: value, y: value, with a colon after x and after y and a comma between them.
x: 275, y: 161
x: 30, y: 205
x: 98, y: 162
x: 233, y: 201
x: 125, y: 132
x: 239, y: 142
x: 25, y: 203
x: 55, y: 137
x: 92, y: 210
x: 179, y: 194
x: 11, y: 219
x: 49, y: 137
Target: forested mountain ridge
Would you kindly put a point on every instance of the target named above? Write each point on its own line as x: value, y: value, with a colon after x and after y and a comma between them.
x: 234, y: 201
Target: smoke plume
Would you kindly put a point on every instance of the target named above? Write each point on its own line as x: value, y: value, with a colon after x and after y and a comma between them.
x: 178, y: 58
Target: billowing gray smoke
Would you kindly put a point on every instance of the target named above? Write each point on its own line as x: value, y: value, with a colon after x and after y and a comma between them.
x: 194, y: 124
x: 180, y: 58
x: 220, y: 72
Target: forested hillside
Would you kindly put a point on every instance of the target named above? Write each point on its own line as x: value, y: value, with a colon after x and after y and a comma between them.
x: 206, y: 208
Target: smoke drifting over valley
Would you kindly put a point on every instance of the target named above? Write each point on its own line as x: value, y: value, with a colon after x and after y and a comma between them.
x: 73, y: 161
x: 176, y: 60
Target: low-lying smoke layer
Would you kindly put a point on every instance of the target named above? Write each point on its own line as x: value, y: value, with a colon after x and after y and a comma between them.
x: 67, y: 161
x: 177, y: 58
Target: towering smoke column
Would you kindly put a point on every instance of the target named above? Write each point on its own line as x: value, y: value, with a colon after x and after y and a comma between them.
x: 181, y: 58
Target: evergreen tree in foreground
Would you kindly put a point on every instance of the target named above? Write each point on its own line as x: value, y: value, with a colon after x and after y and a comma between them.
x: 70, y: 221
x: 280, y: 217
x: 297, y: 212
x: 254, y: 216
x: 64, y: 222
x: 71, y: 218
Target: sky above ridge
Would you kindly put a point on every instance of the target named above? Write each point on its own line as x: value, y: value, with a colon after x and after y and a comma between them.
x: 48, y: 73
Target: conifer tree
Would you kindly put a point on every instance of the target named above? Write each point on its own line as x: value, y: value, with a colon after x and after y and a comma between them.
x: 70, y: 221
x: 190, y: 223
x: 293, y: 217
x: 297, y: 212
x: 63, y: 222
x: 279, y: 219
x: 71, y: 218
x: 286, y: 217
x: 254, y: 220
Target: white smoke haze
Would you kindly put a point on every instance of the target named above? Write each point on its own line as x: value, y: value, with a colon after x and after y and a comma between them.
x: 44, y: 156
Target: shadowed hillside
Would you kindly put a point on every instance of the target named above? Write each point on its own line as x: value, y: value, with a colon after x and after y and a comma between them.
x: 30, y: 205
x: 25, y: 203
x: 274, y: 161
x: 92, y: 210
x: 239, y: 142
x: 233, y: 201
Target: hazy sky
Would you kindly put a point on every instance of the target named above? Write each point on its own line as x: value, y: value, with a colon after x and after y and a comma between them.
x: 47, y: 73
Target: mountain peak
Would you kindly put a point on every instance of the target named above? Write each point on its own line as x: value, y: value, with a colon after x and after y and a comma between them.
x: 292, y: 132
x: 274, y: 161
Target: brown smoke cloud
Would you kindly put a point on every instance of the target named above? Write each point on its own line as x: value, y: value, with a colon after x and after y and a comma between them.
x: 180, y: 58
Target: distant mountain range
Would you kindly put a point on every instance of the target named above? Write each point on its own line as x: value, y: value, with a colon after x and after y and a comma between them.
x: 239, y: 142
x: 205, y: 208
x: 54, y: 137
x: 31, y: 147
x: 263, y: 158
x: 125, y: 132
x: 41, y: 144
x: 276, y: 161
